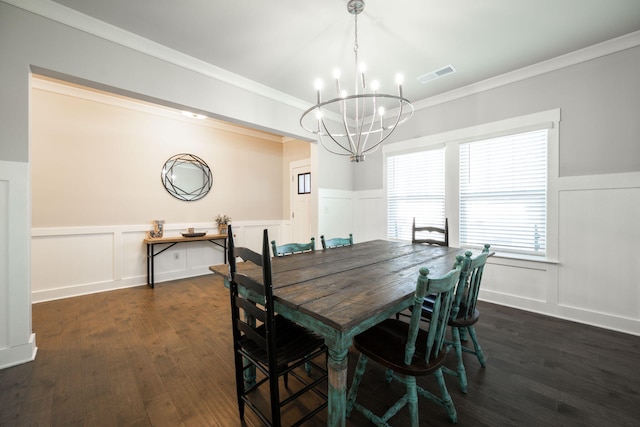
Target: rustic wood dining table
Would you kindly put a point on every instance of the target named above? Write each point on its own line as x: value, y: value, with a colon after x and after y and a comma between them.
x: 343, y: 291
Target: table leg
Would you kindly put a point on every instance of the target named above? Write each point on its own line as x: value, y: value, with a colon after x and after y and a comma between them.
x: 337, y: 366
x: 149, y: 265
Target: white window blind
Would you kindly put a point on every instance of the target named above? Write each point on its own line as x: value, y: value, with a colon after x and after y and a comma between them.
x: 503, y: 193
x: 415, y: 188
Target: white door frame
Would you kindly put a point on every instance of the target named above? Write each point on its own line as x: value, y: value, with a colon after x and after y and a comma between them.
x: 293, y: 186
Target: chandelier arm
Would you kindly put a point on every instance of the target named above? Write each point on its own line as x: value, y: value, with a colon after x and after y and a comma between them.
x: 391, y: 128
x: 330, y: 135
x: 405, y: 101
x: 383, y: 138
x: 362, y: 150
x: 331, y: 150
x: 360, y: 125
x: 346, y: 128
x: 398, y: 116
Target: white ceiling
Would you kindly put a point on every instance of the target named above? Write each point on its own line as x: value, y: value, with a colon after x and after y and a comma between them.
x: 287, y: 44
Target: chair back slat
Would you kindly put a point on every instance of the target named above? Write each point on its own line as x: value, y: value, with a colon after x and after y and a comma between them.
x: 249, y: 332
x: 336, y: 242
x: 250, y: 285
x: 469, y: 284
x: 251, y: 309
x: 441, y: 289
x: 293, y: 248
x: 430, y: 235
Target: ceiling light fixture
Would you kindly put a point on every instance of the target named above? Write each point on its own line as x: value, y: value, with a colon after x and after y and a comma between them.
x: 193, y: 115
x: 362, y: 115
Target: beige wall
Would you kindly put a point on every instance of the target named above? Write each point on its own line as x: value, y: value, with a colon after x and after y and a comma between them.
x: 96, y: 160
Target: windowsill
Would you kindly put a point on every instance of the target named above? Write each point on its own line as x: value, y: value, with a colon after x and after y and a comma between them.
x: 522, y: 257
x: 504, y: 255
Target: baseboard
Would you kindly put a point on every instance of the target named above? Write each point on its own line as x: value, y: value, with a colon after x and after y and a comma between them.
x: 572, y: 314
x: 85, y: 289
x: 13, y: 356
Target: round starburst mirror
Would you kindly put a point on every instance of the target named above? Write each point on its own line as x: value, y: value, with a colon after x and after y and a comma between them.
x: 187, y: 177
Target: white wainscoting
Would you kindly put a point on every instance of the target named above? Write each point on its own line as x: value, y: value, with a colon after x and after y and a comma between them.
x: 361, y: 213
x: 599, y: 273
x: 72, y: 261
x: 596, y: 280
x: 336, y: 213
x: 17, y: 342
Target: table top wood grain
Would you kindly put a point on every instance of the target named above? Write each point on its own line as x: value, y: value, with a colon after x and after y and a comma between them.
x: 342, y: 287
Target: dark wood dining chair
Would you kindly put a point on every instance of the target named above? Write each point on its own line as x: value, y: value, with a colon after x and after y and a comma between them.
x: 293, y: 248
x: 430, y: 235
x: 268, y: 346
x: 408, y: 352
x: 336, y: 241
x: 464, y: 314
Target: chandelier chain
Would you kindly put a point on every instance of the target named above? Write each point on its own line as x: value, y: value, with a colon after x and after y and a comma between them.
x: 355, y: 38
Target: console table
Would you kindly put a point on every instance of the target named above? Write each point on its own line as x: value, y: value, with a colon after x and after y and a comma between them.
x: 151, y: 242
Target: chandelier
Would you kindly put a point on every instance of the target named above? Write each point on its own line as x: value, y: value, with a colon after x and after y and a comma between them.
x: 355, y: 125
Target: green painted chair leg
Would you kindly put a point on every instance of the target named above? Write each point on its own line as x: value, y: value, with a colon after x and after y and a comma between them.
x: 463, y: 335
x: 412, y: 400
x: 446, y: 397
x: 474, y: 339
x: 461, y: 373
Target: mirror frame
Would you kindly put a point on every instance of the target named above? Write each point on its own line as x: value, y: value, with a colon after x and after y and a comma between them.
x: 168, y: 175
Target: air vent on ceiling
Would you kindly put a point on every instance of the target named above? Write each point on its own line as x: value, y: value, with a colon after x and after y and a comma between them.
x: 436, y: 74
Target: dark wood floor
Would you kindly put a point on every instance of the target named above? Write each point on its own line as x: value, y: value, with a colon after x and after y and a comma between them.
x: 141, y: 357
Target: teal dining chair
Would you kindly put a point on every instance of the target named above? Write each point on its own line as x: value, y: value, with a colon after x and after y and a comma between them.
x: 336, y: 242
x: 293, y: 248
x: 408, y: 351
x: 464, y: 313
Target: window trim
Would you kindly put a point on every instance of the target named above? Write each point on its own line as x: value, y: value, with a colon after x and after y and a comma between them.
x: 451, y: 140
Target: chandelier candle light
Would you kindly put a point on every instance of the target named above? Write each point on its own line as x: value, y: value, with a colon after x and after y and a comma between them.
x: 358, y: 116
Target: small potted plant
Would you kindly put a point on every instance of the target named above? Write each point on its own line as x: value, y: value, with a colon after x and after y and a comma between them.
x: 223, y: 222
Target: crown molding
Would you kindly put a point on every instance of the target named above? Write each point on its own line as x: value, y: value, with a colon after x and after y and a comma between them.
x: 72, y: 18
x: 608, y: 47
x: 64, y: 15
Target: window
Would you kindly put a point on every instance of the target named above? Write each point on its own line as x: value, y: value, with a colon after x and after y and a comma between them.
x: 415, y: 188
x: 500, y: 185
x: 304, y: 183
x: 503, y: 193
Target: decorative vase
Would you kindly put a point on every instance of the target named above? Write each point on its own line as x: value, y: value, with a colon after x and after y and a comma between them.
x: 222, y: 228
x: 158, y: 228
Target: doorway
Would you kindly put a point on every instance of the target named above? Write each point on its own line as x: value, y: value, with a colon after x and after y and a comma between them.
x: 300, y: 206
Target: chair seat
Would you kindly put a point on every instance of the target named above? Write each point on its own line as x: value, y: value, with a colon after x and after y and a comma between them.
x: 293, y: 342
x: 460, y: 321
x: 385, y: 343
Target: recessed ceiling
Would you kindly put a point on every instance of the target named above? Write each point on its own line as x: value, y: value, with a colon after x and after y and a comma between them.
x: 287, y: 44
